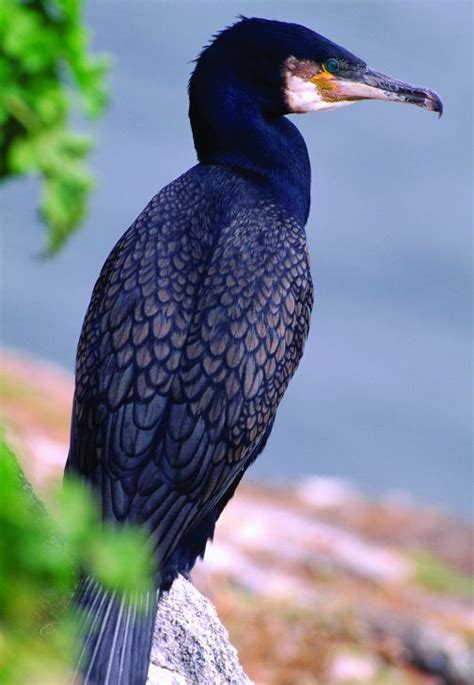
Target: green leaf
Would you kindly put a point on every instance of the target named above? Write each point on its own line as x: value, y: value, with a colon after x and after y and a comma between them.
x: 45, y: 68
x: 41, y: 551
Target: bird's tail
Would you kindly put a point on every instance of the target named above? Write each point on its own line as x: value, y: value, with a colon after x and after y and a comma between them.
x: 115, y: 636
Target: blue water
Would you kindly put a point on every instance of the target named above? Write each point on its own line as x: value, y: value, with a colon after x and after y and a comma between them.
x: 383, y: 395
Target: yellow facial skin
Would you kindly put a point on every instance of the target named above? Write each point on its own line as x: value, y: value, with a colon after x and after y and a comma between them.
x: 326, y: 84
x: 333, y: 89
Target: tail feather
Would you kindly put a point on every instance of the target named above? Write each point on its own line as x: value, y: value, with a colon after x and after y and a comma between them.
x: 115, y: 636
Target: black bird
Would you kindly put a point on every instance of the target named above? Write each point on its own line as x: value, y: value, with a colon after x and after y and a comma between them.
x: 201, y: 312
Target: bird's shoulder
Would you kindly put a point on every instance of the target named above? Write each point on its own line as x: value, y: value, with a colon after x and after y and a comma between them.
x: 210, y: 218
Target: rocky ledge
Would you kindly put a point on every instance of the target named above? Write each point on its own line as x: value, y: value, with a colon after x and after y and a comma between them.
x: 190, y: 645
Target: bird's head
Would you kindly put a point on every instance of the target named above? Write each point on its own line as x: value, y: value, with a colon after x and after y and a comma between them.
x: 287, y: 68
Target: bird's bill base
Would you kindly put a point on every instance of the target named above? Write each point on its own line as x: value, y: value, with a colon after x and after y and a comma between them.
x: 373, y: 85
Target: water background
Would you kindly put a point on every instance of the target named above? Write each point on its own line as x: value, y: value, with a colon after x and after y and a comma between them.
x: 383, y: 395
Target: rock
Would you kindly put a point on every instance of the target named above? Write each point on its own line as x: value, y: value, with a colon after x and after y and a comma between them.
x: 430, y: 648
x: 190, y: 645
x: 350, y: 667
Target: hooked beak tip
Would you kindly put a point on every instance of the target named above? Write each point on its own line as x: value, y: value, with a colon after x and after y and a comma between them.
x: 386, y: 88
x: 434, y: 102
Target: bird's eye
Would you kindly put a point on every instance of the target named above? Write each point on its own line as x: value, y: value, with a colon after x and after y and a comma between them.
x: 332, y: 65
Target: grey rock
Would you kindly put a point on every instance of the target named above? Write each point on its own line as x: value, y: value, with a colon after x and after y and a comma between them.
x: 190, y: 644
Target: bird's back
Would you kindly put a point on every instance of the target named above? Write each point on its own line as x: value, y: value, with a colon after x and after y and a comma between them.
x: 195, y: 327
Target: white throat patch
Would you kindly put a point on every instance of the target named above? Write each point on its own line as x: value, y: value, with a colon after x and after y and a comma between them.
x: 301, y: 95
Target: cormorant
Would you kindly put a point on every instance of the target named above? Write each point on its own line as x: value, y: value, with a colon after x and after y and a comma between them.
x: 200, y: 314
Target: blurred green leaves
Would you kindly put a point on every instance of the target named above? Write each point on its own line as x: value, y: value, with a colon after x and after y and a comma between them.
x: 40, y: 554
x: 45, y: 69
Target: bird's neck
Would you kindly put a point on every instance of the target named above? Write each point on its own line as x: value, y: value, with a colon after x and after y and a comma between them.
x: 271, y: 150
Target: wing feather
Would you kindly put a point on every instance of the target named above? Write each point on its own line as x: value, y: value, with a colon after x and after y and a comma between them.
x: 190, y: 340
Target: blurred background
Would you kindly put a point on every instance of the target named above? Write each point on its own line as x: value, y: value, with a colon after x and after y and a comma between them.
x: 346, y: 556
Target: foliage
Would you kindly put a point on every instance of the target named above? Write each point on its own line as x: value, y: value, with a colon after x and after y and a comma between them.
x: 40, y: 553
x: 436, y: 576
x: 44, y: 65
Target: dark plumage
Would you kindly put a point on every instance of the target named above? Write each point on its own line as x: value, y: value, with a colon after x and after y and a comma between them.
x: 198, y: 321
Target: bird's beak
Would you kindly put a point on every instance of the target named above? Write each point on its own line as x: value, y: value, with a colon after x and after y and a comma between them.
x: 368, y: 84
